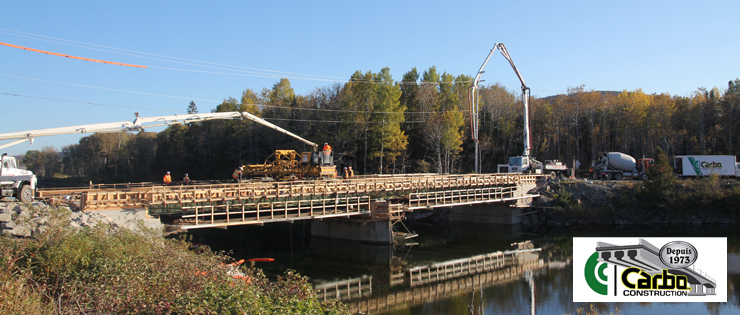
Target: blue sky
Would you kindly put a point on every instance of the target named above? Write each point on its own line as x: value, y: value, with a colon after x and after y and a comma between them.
x: 659, y: 46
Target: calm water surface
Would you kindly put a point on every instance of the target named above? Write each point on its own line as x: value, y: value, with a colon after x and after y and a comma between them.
x: 546, y: 289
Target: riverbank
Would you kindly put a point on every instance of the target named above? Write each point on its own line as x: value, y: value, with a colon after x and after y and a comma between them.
x: 709, y: 200
x: 64, y: 266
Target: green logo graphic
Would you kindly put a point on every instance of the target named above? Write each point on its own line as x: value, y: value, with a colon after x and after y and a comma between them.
x: 695, y: 165
x: 590, y: 272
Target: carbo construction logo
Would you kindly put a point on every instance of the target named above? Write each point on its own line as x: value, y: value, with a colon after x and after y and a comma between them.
x: 649, y: 269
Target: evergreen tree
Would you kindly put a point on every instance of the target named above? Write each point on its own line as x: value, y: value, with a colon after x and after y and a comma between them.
x: 388, y: 138
x: 661, y: 181
x: 192, y: 109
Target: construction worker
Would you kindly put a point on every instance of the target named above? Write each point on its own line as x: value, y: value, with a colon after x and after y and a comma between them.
x: 327, y: 154
x: 186, y: 180
x: 351, y: 172
x: 237, y: 175
x: 346, y: 172
x: 167, y: 178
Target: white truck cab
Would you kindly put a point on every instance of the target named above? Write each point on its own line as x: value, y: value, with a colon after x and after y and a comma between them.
x: 521, y: 164
x: 15, y: 181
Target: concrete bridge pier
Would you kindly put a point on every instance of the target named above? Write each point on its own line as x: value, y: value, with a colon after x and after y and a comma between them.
x: 375, y: 227
x: 494, y: 213
x: 353, y: 230
x: 510, y: 212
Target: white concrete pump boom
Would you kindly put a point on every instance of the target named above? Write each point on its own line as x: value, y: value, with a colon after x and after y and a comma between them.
x: 140, y: 123
x: 475, y: 99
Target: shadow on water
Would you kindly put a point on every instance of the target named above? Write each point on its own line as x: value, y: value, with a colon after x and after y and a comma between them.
x: 528, y: 282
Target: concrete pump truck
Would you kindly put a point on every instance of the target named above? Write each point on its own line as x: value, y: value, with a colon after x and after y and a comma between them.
x: 517, y: 164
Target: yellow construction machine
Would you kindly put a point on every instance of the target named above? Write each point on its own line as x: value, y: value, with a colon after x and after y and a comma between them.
x: 288, y: 164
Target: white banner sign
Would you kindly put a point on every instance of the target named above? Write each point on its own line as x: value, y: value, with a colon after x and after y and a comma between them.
x: 652, y: 269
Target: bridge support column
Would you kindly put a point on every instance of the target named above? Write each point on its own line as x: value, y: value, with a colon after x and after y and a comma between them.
x: 487, y: 213
x: 362, y: 231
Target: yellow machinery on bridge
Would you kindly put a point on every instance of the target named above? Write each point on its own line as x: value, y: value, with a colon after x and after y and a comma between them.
x: 288, y: 164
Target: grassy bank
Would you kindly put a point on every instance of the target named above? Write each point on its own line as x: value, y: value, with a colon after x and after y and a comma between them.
x: 708, y: 198
x: 104, y: 271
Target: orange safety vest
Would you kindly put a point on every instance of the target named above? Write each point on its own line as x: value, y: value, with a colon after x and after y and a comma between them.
x: 167, y: 179
x: 351, y: 173
x: 236, y: 173
x: 327, y: 148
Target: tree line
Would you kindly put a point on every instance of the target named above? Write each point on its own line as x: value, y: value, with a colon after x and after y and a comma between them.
x: 418, y: 124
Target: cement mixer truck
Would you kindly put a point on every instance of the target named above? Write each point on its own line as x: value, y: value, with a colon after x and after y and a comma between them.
x: 617, y: 166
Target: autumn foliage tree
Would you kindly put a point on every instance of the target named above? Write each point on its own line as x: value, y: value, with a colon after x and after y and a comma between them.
x: 418, y: 124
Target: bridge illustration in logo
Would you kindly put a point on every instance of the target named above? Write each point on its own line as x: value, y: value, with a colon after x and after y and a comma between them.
x: 646, y: 256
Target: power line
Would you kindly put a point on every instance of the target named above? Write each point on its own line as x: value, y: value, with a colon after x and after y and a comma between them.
x: 346, y: 122
x: 274, y: 74
x: 133, y: 52
x: 109, y: 89
x: 341, y: 110
x: 91, y: 103
x: 280, y: 119
x: 70, y: 56
x: 195, y: 99
x: 241, y: 74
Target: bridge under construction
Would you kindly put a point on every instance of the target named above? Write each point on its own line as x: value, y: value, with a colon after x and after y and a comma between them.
x: 370, y: 200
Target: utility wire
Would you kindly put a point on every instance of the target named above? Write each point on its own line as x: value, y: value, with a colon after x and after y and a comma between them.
x: 343, y: 111
x: 274, y: 74
x: 91, y: 103
x: 133, y: 52
x: 196, y: 99
x: 343, y: 121
x: 280, y: 119
x: 109, y: 89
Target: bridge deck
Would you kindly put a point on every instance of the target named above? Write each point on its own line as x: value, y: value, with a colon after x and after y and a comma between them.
x: 209, y: 205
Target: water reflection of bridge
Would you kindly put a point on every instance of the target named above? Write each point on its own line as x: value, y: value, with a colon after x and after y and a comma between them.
x: 423, y: 283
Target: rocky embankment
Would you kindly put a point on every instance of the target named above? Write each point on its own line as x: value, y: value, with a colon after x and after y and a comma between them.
x: 25, y: 220
x: 564, y: 202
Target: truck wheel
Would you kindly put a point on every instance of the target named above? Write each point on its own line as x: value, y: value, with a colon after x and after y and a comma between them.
x: 644, y: 176
x: 25, y: 194
x: 607, y: 176
x: 617, y: 176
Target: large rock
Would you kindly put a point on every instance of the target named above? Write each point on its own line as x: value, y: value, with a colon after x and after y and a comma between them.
x: 22, y: 230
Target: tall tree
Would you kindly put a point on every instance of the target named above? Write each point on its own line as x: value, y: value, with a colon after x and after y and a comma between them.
x: 731, y: 111
x: 192, y: 109
x: 359, y: 100
x: 388, y: 138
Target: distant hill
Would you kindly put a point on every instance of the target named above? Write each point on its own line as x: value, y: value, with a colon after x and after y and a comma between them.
x: 552, y: 97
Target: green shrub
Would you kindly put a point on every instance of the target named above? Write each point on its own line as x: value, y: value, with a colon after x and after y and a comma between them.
x: 562, y: 199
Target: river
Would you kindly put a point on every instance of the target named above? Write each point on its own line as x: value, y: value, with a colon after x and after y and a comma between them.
x: 536, y: 277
